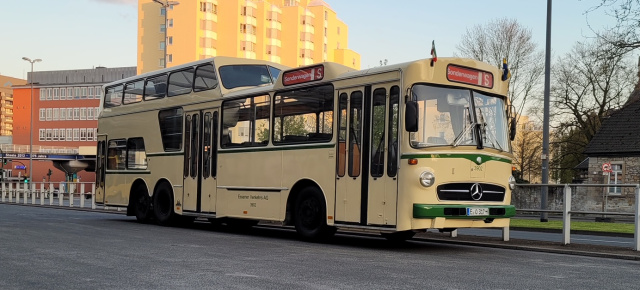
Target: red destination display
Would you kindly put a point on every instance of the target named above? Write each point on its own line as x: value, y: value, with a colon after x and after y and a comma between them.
x: 469, y: 76
x: 304, y: 75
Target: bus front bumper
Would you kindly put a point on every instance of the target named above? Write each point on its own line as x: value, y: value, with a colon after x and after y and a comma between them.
x: 453, y: 211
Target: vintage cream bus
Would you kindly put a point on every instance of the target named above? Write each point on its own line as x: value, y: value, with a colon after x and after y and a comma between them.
x: 394, y: 149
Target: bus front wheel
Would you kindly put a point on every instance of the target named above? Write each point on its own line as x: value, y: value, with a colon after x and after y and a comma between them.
x: 163, y: 206
x: 310, y: 217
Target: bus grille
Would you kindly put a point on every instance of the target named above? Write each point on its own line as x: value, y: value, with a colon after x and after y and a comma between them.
x: 471, y: 192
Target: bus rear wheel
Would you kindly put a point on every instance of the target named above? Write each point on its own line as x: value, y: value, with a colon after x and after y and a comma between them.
x: 310, y: 215
x: 142, y: 204
x: 163, y: 206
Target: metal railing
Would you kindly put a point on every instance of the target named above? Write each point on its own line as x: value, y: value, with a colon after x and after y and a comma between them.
x: 567, y: 212
x: 47, y: 193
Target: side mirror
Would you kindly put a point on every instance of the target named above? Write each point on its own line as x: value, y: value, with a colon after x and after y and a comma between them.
x: 512, y: 129
x: 411, y: 116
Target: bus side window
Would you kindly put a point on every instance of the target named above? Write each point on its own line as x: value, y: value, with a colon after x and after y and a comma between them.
x: 171, y: 129
x: 377, y: 132
x: 136, y: 154
x: 116, y: 154
x: 113, y: 96
x: 155, y: 88
x: 205, y: 78
x: 180, y: 82
x: 342, y: 134
x: 392, y: 163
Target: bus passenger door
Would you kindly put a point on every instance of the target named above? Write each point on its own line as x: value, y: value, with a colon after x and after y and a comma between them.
x: 209, y: 161
x: 101, y: 163
x: 192, y: 165
x: 349, y: 181
x: 199, y: 193
x: 383, y: 184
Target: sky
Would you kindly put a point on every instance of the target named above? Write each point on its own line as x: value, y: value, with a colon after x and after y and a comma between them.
x: 83, y: 34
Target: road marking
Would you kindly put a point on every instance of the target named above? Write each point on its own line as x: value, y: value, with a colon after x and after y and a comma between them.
x: 601, y: 241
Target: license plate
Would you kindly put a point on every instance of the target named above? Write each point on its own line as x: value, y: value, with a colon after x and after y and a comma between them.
x: 477, y: 211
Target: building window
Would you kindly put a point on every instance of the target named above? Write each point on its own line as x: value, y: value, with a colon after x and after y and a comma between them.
x: 62, y: 134
x: 69, y: 113
x: 90, y: 134
x: 76, y: 134
x: 56, y: 114
x: 42, y: 114
x: 96, y: 112
x: 42, y: 134
x: 49, y: 113
x: 170, y: 58
x: 69, y: 93
x: 90, y: 114
x: 69, y: 134
x: 615, y: 177
x: 63, y: 94
x: 43, y: 94
x: 83, y: 113
x: 163, y: 11
x: 161, y: 62
x: 163, y: 28
x: 170, y: 42
x: 76, y: 113
x: 54, y: 135
x: 49, y: 133
x: 83, y: 134
x: 56, y: 92
x: 49, y: 94
x: 162, y: 45
x: 170, y: 21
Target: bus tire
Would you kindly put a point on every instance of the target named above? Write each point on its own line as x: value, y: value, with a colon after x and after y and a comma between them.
x: 397, y: 237
x: 142, y: 204
x: 310, y: 216
x: 163, y: 206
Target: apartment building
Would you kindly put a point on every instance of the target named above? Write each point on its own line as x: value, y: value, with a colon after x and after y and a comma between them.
x: 6, y: 103
x: 289, y: 32
x: 65, y: 111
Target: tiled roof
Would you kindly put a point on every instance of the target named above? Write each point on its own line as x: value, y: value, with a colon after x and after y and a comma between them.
x: 620, y: 133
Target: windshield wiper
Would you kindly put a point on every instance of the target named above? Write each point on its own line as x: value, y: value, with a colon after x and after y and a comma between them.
x: 490, y: 136
x: 459, y: 137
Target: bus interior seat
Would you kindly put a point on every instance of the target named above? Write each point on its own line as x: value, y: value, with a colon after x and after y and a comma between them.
x: 294, y: 138
x: 319, y: 136
x: 436, y: 140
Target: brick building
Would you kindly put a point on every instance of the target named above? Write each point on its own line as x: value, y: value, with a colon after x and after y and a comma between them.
x: 65, y: 113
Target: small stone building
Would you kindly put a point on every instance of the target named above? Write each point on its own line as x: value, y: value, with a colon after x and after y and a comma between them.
x: 614, y: 157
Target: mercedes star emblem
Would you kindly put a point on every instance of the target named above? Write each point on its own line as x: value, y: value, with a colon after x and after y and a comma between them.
x: 476, y: 191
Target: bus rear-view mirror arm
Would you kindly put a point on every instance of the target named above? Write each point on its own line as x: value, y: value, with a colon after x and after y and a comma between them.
x: 411, y: 116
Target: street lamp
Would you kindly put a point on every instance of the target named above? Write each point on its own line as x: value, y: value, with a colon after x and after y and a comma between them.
x: 166, y: 5
x: 31, y: 122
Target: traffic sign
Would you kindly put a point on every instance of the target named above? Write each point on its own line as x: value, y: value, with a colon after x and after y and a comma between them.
x: 606, y: 167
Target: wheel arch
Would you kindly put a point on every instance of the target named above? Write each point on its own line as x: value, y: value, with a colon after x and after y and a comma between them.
x: 293, y: 195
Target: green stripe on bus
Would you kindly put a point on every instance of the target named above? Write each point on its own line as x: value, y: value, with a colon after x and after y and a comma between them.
x: 428, y: 211
x: 470, y: 157
x: 128, y: 172
x: 278, y: 148
x: 165, y: 154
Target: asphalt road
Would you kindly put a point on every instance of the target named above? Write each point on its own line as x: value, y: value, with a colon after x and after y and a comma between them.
x: 49, y: 248
x: 615, y: 241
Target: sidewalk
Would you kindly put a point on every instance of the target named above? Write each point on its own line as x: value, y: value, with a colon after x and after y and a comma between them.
x: 532, y: 245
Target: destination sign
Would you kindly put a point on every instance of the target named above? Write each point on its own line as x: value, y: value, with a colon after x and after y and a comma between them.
x: 304, y: 75
x: 469, y: 76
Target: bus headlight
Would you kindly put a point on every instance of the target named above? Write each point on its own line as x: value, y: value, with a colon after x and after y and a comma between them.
x: 512, y: 182
x: 427, y: 178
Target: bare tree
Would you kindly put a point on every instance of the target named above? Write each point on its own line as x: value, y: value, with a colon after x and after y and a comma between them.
x: 506, y: 38
x: 589, y: 83
x: 527, y: 148
x: 625, y: 34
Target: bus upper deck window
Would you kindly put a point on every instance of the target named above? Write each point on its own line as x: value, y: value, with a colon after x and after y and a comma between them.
x: 113, y: 96
x: 155, y: 87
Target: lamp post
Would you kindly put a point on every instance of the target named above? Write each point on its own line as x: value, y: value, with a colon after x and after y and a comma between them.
x: 31, y: 122
x: 166, y: 5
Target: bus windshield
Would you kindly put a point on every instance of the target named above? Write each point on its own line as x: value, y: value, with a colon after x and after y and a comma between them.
x: 456, y: 117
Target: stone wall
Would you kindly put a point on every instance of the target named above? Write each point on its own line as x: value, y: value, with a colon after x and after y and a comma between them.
x: 582, y: 199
